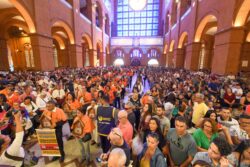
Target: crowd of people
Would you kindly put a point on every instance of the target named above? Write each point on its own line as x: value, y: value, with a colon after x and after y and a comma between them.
x: 143, y: 116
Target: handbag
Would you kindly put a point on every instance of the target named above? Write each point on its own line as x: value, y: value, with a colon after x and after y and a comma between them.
x: 78, y: 128
x: 87, y: 137
x: 36, y: 118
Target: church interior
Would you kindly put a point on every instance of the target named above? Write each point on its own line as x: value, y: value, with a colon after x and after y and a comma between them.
x: 52, y: 35
x: 190, y: 34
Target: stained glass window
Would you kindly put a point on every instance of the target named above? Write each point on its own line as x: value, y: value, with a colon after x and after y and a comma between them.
x: 137, y: 23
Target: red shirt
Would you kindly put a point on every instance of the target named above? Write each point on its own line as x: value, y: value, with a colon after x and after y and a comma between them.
x: 229, y: 98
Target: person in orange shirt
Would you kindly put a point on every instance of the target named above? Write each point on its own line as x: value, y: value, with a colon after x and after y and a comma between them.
x: 147, y: 98
x: 57, y: 118
x: 12, y: 96
x: 86, y: 129
x: 84, y: 96
x: 111, y: 95
x: 4, y: 91
x: 70, y: 106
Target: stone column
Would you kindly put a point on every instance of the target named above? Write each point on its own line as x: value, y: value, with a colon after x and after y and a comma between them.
x: 227, y: 51
x: 170, y: 57
x: 245, y: 58
x: 75, y: 55
x: 4, y: 63
x: 101, y: 58
x: 63, y: 58
x: 42, y: 47
x: 91, y: 57
x: 163, y: 60
x: 192, y: 56
x: 179, y: 56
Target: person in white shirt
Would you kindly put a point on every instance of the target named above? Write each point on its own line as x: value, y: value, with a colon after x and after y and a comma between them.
x: 237, y: 90
x: 226, y: 119
x: 32, y: 109
x: 240, y: 132
x: 58, y: 94
x: 13, y: 154
x: 30, y: 106
x: 42, y: 100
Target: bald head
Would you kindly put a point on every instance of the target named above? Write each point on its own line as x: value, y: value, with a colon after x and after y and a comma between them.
x: 116, y: 137
x: 123, y: 117
x: 122, y: 114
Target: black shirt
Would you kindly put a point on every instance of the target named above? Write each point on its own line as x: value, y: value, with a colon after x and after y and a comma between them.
x: 126, y: 149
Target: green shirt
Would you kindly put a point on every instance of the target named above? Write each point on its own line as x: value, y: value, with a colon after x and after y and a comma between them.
x: 202, y: 140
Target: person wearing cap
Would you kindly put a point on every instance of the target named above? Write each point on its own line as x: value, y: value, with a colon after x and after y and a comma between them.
x: 13, y: 154
x: 57, y: 118
x: 125, y: 126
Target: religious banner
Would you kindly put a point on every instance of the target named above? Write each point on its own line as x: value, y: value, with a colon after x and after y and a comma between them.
x: 48, y: 143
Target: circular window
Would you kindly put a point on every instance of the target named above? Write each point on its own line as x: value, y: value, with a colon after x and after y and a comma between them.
x: 137, y: 4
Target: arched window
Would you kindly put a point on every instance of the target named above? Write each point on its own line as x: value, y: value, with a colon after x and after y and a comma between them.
x: 137, y: 19
x: 28, y: 53
x: 118, y: 53
x: 136, y: 53
x: 153, y: 53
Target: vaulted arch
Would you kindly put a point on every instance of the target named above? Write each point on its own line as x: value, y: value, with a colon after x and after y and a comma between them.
x: 242, y: 14
x: 60, y: 41
x: 171, y: 46
x: 59, y: 23
x: 202, y: 25
x: 25, y: 14
x: 183, y: 36
x: 88, y: 39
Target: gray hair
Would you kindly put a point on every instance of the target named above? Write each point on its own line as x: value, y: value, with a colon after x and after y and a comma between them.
x: 118, y: 154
